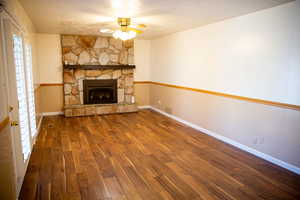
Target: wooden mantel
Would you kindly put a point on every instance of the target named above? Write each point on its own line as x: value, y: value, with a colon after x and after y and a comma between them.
x: 91, y: 67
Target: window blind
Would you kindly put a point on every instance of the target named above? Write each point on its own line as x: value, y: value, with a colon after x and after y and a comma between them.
x: 21, y: 92
x: 30, y: 90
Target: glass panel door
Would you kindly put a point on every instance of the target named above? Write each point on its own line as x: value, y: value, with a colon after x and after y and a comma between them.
x: 22, y: 95
x: 30, y: 90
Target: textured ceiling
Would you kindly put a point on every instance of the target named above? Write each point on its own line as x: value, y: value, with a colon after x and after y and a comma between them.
x: 161, y: 16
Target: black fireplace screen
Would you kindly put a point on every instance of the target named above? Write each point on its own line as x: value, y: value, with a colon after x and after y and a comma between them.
x: 100, y: 91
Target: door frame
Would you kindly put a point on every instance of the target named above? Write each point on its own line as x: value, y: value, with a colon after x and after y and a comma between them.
x: 9, y: 26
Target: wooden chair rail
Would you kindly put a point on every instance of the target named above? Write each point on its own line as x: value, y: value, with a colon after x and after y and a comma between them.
x: 254, y: 100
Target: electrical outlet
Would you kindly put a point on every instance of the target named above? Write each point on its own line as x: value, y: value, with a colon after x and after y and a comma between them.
x: 255, y: 141
x: 159, y: 102
x: 261, y: 140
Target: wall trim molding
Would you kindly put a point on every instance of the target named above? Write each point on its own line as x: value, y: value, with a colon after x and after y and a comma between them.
x: 250, y: 150
x: 37, y: 88
x: 241, y: 98
x: 254, y: 100
x: 52, y: 113
x: 142, y: 82
x: 51, y: 84
x: 4, y: 123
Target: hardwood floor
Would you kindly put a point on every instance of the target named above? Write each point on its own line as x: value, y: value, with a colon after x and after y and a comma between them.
x: 145, y: 156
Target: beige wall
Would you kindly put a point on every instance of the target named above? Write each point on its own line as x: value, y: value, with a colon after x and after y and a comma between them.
x: 255, y: 55
x: 51, y: 98
x: 277, y: 128
x: 142, y: 50
x: 142, y: 92
x: 49, y: 58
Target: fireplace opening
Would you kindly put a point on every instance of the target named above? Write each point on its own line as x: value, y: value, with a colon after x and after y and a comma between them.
x: 100, y: 91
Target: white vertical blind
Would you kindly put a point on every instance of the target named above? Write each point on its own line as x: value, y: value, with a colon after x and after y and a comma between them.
x: 30, y: 90
x: 21, y: 91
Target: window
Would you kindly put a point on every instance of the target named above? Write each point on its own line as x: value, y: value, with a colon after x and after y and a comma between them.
x: 22, y: 97
x: 30, y: 90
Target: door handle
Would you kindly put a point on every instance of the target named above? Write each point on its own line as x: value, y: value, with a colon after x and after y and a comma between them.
x: 10, y: 108
x: 14, y: 123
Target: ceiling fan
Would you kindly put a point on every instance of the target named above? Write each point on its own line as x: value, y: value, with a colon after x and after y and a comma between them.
x: 127, y: 30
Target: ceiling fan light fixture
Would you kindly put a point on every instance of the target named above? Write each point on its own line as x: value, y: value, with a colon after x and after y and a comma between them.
x: 124, y: 35
x: 124, y: 21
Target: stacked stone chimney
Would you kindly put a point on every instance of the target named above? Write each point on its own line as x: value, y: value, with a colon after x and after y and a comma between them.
x: 96, y: 51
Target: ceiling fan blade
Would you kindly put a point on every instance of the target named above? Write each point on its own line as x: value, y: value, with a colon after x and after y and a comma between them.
x: 107, y: 30
x: 135, y: 30
x: 138, y: 26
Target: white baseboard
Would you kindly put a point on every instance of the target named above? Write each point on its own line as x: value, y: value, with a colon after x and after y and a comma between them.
x: 38, y: 129
x: 52, y: 113
x: 39, y: 125
x: 144, y: 107
x: 259, y: 154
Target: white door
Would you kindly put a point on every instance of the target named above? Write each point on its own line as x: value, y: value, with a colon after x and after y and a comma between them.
x: 17, y: 100
x: 7, y: 172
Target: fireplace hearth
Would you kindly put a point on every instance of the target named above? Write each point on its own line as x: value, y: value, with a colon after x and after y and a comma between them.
x: 100, y: 91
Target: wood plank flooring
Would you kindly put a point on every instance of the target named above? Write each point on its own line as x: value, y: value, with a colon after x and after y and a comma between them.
x: 145, y: 156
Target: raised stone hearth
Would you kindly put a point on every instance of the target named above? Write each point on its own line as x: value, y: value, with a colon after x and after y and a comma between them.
x: 86, y: 110
x: 83, y: 51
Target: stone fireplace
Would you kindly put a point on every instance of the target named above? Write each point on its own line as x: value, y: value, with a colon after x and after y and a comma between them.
x: 98, y: 75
